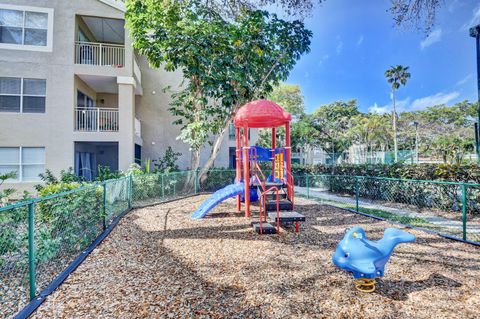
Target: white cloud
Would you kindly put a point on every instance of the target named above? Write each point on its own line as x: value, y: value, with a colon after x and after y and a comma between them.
x: 339, y: 45
x: 406, y: 105
x: 400, y: 105
x: 378, y: 109
x: 432, y: 38
x: 474, y: 20
x: 323, y: 58
x: 436, y: 99
x: 360, y: 40
x: 464, y: 80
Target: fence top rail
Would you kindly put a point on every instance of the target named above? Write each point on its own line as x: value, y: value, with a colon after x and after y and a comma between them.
x: 53, y: 196
x: 399, y: 179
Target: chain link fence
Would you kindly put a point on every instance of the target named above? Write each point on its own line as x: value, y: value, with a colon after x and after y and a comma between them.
x: 447, y: 208
x: 41, y: 237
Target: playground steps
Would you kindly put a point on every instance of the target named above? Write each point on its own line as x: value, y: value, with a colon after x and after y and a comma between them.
x: 286, y: 217
x: 273, y: 196
x: 267, y: 228
x: 284, y: 204
x: 277, y: 184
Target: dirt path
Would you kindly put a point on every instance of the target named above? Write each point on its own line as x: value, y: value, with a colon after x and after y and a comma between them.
x: 158, y: 263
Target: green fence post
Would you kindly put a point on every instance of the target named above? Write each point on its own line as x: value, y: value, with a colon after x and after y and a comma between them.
x: 175, y: 185
x: 31, y: 249
x: 130, y: 191
x: 104, y: 185
x: 196, y: 181
x: 356, y: 193
x: 464, y: 210
x: 308, y: 185
x: 163, y: 185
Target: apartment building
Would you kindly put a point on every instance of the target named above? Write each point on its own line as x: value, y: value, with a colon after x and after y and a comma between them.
x: 73, y: 93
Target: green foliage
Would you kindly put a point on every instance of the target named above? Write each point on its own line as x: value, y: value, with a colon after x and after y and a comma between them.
x: 135, y: 169
x: 397, y: 76
x: 443, y: 172
x: 167, y: 163
x: 48, y: 178
x: 5, y: 193
x: 70, y: 221
x: 105, y: 173
x: 217, y: 179
x: 289, y: 97
x: 225, y: 62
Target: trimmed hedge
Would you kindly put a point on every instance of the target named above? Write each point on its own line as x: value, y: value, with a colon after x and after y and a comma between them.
x: 444, y: 172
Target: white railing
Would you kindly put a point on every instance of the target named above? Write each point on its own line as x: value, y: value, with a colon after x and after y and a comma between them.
x: 94, y: 119
x: 93, y: 53
x: 138, y: 127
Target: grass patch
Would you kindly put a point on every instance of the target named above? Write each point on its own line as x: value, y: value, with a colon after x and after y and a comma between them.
x: 411, y: 221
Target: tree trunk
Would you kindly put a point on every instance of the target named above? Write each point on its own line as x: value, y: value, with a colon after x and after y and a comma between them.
x: 216, y: 148
x: 395, y: 147
x: 194, y: 164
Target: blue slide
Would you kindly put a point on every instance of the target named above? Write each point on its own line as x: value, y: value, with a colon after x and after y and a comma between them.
x: 218, y: 197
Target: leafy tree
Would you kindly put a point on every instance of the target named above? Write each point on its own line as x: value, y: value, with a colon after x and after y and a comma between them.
x: 289, y: 97
x: 419, y: 13
x: 332, y: 122
x: 225, y: 63
x: 373, y: 130
x: 396, y: 76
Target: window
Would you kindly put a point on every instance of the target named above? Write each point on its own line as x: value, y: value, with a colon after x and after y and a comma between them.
x: 26, y: 27
x: 22, y: 95
x: 27, y: 162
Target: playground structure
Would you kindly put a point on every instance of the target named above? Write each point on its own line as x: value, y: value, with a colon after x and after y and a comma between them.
x: 276, y: 191
x: 366, y: 259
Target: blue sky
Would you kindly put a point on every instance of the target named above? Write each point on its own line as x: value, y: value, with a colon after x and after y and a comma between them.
x: 354, y: 42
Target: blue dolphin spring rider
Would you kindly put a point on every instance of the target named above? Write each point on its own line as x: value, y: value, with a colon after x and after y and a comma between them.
x: 366, y: 259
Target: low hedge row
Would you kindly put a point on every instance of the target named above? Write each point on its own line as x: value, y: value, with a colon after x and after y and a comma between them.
x: 445, y: 172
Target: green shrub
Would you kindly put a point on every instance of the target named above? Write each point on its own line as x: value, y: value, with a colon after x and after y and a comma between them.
x: 68, y: 223
x: 444, y: 172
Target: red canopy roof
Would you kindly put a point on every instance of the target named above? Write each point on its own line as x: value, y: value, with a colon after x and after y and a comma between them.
x: 261, y: 114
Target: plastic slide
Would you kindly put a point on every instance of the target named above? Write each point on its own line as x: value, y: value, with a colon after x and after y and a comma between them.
x: 218, y: 197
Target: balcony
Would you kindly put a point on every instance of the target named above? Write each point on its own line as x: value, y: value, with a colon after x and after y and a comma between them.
x: 100, y: 54
x: 95, y: 119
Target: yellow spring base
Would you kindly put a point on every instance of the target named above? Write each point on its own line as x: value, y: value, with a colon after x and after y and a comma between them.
x: 365, y: 285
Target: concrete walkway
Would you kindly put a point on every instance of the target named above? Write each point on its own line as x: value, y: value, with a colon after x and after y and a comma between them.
x: 455, y: 226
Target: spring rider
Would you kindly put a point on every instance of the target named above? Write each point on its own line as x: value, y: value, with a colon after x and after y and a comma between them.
x: 366, y: 259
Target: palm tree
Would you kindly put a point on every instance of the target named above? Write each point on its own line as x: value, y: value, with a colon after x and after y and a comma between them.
x: 396, y: 76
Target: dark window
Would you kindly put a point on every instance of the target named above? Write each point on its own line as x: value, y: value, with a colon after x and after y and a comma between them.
x: 22, y: 95
x: 23, y: 27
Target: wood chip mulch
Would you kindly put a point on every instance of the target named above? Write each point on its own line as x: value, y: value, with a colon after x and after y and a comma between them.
x: 158, y: 263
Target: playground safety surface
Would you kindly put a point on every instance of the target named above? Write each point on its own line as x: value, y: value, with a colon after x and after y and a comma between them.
x: 157, y: 263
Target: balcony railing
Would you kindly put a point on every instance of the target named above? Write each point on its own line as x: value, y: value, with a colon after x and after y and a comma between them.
x: 94, y: 119
x: 92, y: 53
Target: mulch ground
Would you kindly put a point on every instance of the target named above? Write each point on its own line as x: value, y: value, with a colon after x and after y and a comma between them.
x: 157, y: 263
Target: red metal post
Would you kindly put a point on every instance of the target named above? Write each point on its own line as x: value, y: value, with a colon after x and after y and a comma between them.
x: 273, y: 152
x: 288, y: 149
x: 238, y: 165
x: 246, y: 171
x: 297, y: 227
